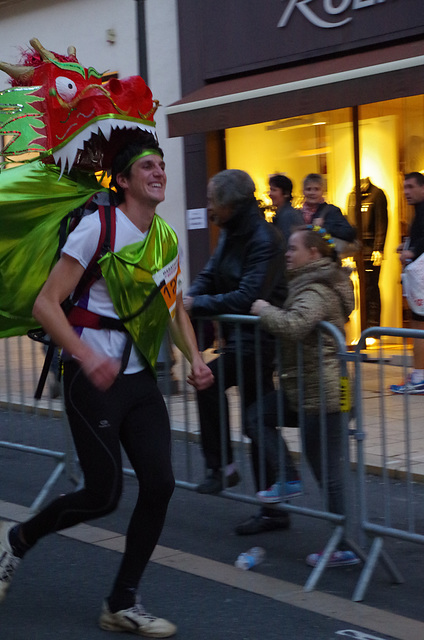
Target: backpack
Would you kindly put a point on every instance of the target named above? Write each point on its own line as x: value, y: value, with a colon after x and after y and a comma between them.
x: 76, y: 315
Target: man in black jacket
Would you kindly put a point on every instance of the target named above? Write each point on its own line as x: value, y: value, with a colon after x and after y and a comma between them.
x: 413, y: 187
x: 248, y: 261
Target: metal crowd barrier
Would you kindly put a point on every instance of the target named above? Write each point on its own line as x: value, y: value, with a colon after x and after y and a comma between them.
x: 22, y: 363
x: 397, y: 452
x: 23, y: 360
x: 311, y: 503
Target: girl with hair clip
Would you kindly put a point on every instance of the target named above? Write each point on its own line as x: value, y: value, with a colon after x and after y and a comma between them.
x: 319, y: 289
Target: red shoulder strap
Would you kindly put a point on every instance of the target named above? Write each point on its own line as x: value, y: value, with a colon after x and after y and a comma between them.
x: 106, y: 243
x: 112, y: 214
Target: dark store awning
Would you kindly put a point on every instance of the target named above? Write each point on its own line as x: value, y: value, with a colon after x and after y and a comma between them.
x: 361, y: 78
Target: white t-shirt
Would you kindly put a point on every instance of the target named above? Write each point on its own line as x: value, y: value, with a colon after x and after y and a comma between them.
x: 81, y: 244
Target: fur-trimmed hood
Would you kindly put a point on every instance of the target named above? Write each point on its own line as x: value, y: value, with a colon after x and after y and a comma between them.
x: 325, y: 274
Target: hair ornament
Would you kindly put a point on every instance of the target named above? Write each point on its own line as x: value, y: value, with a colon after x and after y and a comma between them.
x: 323, y: 233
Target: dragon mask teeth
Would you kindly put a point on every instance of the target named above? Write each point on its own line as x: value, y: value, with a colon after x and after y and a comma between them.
x: 93, y: 146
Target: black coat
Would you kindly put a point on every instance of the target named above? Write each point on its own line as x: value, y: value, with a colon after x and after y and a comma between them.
x: 248, y: 263
x: 417, y: 231
x: 335, y: 222
x: 287, y: 218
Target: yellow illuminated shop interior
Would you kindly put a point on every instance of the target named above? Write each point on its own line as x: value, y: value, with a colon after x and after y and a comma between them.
x: 391, y: 143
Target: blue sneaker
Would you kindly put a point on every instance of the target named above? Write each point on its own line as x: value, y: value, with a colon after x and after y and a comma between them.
x: 277, y: 494
x: 413, y: 388
x: 337, y: 559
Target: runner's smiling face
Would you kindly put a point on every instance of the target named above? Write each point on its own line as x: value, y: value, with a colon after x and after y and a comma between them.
x: 147, y: 180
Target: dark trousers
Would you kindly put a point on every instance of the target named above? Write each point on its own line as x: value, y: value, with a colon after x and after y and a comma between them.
x: 217, y: 452
x: 329, y: 475
x: 267, y: 462
x: 372, y: 293
x: 132, y: 413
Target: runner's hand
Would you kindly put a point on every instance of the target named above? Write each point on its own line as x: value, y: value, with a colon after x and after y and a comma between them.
x: 100, y: 370
x: 200, y: 377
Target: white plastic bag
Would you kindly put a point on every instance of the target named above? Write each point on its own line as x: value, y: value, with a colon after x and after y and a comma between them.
x: 413, y: 284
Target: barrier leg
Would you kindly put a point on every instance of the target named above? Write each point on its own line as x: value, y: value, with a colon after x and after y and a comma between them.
x: 356, y: 549
x: 59, y: 469
x: 364, y: 579
x: 391, y: 568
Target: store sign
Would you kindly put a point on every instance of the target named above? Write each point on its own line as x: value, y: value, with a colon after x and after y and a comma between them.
x: 328, y: 8
x: 252, y: 38
x: 196, y: 219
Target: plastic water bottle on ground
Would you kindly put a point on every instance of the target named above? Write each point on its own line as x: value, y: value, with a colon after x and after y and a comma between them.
x: 250, y: 558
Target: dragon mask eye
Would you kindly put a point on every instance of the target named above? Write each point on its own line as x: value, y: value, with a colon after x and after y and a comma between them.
x: 66, y: 88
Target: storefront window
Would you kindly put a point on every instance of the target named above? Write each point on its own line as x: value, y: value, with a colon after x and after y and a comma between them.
x: 296, y: 147
x: 391, y: 142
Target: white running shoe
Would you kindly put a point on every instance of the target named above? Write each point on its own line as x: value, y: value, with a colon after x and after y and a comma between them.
x: 8, y: 561
x: 137, y: 621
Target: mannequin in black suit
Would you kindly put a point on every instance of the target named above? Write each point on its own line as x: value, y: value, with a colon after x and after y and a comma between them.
x: 374, y: 229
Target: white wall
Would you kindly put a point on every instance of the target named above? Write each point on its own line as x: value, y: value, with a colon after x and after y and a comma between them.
x: 165, y: 82
x: 83, y: 23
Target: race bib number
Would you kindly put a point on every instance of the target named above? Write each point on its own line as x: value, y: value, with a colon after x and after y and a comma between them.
x: 169, y: 281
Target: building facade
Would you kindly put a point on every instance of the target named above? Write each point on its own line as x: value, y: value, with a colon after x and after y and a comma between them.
x: 298, y: 86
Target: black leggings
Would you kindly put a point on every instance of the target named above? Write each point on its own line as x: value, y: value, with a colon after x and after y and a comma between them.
x: 131, y: 412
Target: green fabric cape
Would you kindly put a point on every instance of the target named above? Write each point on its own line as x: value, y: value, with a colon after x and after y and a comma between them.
x: 130, y: 276
x: 33, y: 201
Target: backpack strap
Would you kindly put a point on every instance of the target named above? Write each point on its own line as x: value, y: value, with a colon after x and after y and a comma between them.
x: 45, y: 370
x: 106, y: 243
x: 78, y: 317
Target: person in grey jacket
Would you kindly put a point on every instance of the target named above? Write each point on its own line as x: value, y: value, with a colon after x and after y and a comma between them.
x: 319, y: 289
x: 286, y: 217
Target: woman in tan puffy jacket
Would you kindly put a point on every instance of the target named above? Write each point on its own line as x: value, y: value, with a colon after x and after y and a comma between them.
x: 319, y: 289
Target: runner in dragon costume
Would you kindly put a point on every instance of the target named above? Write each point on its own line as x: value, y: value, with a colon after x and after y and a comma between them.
x: 78, y: 126
x: 72, y: 125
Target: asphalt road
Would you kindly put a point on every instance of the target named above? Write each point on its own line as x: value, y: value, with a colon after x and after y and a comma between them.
x: 191, y: 580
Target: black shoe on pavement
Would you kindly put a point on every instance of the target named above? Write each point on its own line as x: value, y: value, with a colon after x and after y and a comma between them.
x: 261, y: 523
x: 213, y: 482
